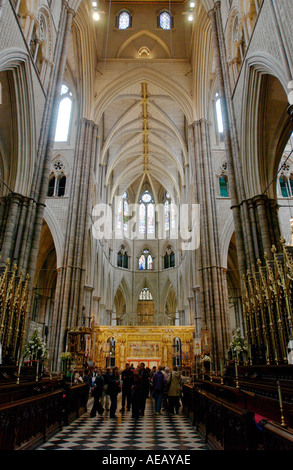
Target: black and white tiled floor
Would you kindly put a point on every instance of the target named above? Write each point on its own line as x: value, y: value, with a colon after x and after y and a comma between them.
x: 149, y: 432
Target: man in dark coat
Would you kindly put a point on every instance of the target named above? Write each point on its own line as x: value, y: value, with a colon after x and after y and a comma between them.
x: 159, y: 382
x: 145, y: 386
x: 97, y: 393
x: 136, y: 393
x: 114, y: 388
x: 127, y: 382
x: 105, y: 397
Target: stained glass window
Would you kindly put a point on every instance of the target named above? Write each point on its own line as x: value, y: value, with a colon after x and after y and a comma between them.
x: 151, y: 218
x: 119, y: 215
x: 142, y: 215
x: 149, y: 262
x: 223, y: 186
x: 169, y: 258
x: 165, y: 20
x: 173, y: 216
x: 124, y: 20
x: 146, y: 197
x: 170, y: 213
x: 122, y: 259
x: 123, y: 213
x: 145, y: 260
x: 284, y: 187
x: 145, y: 294
x: 51, y: 188
x: 167, y: 216
x: 147, y: 214
x: 142, y: 262
x: 61, y: 186
x: 219, y: 114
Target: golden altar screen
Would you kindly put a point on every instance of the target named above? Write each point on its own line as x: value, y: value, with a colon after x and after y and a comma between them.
x: 153, y: 345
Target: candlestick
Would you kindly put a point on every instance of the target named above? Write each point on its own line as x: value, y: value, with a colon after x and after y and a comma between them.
x: 37, y: 372
x: 281, y: 405
x: 18, y: 372
x: 236, y: 370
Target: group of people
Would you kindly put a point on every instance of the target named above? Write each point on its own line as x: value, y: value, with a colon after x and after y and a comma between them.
x: 136, y: 384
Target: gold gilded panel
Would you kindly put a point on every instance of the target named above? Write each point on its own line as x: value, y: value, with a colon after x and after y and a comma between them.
x: 153, y: 345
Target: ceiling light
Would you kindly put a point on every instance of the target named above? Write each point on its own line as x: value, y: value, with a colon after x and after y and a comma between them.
x: 190, y: 18
x: 192, y: 4
x: 94, y: 4
x: 96, y: 16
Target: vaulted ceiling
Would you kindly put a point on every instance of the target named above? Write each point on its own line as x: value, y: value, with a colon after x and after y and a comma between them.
x: 138, y: 85
x: 144, y: 139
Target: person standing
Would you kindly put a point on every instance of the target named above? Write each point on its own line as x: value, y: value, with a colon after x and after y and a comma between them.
x: 127, y: 382
x: 166, y: 372
x: 174, y: 391
x: 105, y: 397
x: 114, y: 388
x: 88, y: 381
x: 159, y: 381
x: 136, y: 393
x: 97, y: 391
x: 145, y: 387
x: 94, y: 375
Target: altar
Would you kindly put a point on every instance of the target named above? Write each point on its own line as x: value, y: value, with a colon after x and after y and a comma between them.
x: 153, y: 345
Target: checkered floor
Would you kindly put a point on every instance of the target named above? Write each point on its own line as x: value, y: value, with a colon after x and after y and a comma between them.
x: 149, y: 432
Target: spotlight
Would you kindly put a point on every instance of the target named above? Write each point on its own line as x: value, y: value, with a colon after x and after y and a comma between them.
x: 96, y: 16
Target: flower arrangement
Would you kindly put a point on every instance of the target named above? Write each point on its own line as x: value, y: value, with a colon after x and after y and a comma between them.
x: 35, y: 348
x: 238, y: 343
x: 204, y: 358
x: 66, y: 356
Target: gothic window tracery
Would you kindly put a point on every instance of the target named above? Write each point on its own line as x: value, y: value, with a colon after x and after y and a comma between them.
x: 124, y: 20
x: 122, y: 258
x: 123, y: 213
x: 57, y: 180
x: 169, y: 258
x: 165, y: 20
x: 147, y: 215
x: 64, y: 115
x: 146, y: 260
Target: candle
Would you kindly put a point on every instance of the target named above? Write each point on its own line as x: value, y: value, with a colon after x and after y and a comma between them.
x: 18, y: 372
x: 280, y: 395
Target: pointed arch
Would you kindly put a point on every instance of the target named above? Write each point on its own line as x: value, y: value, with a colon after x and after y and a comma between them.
x: 143, y: 32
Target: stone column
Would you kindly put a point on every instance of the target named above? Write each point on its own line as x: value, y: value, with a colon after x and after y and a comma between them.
x: 231, y: 143
x: 212, y: 276
x: 254, y: 218
x: 71, y: 281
